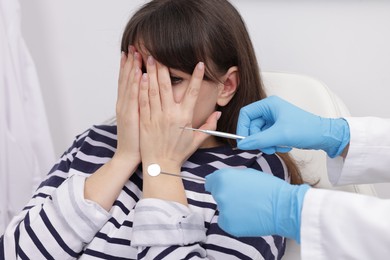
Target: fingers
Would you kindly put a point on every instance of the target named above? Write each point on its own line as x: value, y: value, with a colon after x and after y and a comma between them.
x: 245, y: 118
x: 122, y: 65
x: 125, y: 60
x: 257, y: 141
x: 192, y: 92
x: 262, y: 109
x: 126, y: 65
x: 165, y: 87
x: 144, y: 107
x: 159, y: 89
x: 154, y: 92
x: 268, y: 141
x: 211, y: 124
x: 130, y: 96
x: 283, y: 149
x: 129, y: 77
x: 127, y: 111
x: 257, y: 125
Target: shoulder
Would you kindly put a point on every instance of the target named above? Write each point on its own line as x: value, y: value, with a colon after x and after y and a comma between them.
x: 98, y: 135
x: 271, y: 163
x: 103, y: 133
x: 94, y: 147
x: 226, y: 156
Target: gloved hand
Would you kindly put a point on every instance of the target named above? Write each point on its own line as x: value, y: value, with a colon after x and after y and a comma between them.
x: 253, y: 203
x: 274, y: 125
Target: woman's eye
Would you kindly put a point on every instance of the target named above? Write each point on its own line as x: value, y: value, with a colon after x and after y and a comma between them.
x: 175, y: 80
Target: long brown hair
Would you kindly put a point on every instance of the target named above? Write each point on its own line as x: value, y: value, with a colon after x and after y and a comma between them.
x: 180, y: 33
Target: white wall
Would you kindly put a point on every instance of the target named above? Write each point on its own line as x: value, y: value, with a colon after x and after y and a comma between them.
x: 75, y: 45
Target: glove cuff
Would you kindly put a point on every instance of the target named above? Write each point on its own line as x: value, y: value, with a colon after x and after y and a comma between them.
x: 337, y: 136
x: 288, y: 211
x: 343, y: 124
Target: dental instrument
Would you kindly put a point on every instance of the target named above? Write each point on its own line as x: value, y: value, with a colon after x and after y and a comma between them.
x: 222, y: 134
x: 155, y: 170
x: 215, y: 133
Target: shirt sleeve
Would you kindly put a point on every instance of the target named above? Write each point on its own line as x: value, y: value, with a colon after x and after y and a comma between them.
x: 368, y: 155
x: 343, y: 225
x: 166, y: 223
x: 83, y: 217
x: 57, y: 221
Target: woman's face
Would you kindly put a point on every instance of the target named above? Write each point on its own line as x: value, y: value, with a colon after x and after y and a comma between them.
x: 206, y: 103
x: 207, y: 99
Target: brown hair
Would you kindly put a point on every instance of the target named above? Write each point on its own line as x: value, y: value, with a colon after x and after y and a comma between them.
x: 180, y: 33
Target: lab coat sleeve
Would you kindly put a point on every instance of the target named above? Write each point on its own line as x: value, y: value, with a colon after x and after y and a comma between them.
x: 368, y: 158
x: 342, y: 225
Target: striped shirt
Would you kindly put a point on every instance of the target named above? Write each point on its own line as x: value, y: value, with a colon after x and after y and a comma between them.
x: 58, y: 223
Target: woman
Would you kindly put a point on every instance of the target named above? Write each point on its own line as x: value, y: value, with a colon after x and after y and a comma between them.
x: 184, y: 63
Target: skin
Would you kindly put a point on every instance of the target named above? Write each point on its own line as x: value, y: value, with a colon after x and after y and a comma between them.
x: 150, y: 110
x: 104, y: 186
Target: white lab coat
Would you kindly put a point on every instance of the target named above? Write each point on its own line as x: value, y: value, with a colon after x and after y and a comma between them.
x: 26, y: 149
x: 342, y: 225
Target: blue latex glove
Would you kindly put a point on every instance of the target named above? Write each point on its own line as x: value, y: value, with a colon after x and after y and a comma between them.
x: 274, y: 125
x: 253, y: 203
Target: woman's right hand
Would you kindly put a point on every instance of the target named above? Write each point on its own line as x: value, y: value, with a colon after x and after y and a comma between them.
x: 105, y: 185
x: 127, y: 113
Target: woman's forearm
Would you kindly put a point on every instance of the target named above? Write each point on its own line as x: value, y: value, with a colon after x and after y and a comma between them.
x: 164, y: 187
x: 104, y: 186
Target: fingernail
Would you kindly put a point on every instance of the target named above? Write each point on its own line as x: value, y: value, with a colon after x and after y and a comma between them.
x: 123, y: 55
x: 219, y: 113
x: 130, y: 49
x: 200, y: 65
x: 150, y: 60
x: 145, y: 77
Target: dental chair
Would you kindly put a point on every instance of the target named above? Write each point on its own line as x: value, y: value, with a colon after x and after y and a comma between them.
x: 314, y: 96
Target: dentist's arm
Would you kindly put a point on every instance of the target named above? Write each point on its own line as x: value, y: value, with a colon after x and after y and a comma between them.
x: 330, y: 224
x: 253, y: 203
x: 274, y: 125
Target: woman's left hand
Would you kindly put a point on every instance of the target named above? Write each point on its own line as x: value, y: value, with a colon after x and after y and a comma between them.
x: 163, y: 141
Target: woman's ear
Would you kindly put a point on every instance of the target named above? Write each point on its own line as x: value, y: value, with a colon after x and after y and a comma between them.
x: 228, y: 88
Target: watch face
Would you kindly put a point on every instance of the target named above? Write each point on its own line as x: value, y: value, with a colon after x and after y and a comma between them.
x: 154, y: 169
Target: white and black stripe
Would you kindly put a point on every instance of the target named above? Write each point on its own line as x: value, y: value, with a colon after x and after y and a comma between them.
x: 57, y: 223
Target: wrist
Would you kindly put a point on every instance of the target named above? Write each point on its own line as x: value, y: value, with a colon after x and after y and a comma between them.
x: 336, y: 135
x: 289, y: 209
x: 163, y: 186
x: 123, y: 165
x: 345, y: 136
x: 168, y: 166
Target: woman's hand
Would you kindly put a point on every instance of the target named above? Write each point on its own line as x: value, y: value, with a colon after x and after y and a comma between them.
x: 163, y: 141
x: 127, y: 113
x: 105, y: 185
